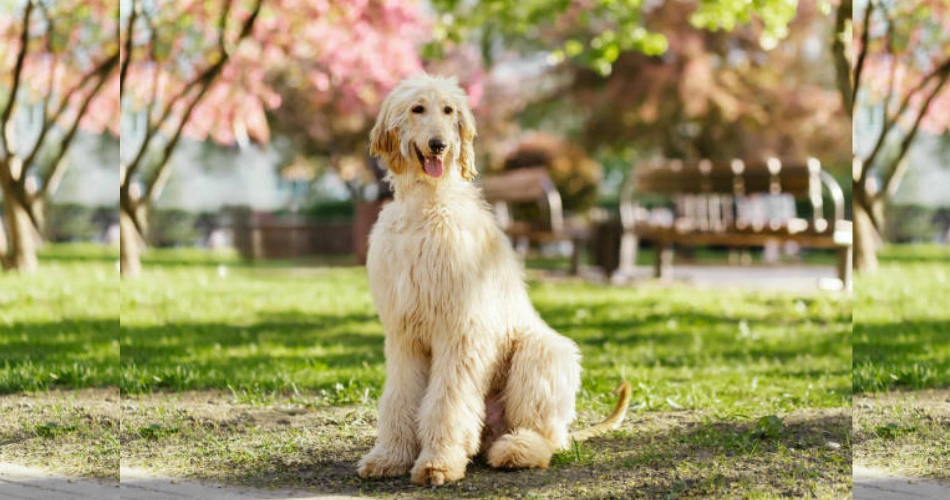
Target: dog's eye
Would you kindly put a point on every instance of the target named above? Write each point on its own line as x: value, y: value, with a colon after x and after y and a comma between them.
x: 447, y: 110
x: 418, y: 110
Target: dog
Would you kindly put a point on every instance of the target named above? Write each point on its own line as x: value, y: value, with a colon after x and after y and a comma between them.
x: 470, y: 365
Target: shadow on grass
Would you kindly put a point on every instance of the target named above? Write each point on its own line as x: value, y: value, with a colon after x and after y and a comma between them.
x: 261, y: 355
x: 192, y: 259
x: 654, y: 456
x: 722, y: 332
x: 908, y: 355
x: 184, y: 356
x: 290, y: 350
x: 66, y: 354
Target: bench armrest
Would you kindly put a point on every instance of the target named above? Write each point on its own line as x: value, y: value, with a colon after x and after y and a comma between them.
x: 837, y: 195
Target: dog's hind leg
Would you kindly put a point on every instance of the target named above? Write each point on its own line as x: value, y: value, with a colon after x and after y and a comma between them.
x: 397, y: 446
x: 543, y: 380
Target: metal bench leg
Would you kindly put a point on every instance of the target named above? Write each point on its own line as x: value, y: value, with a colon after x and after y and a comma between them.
x: 578, y: 243
x: 663, y: 265
x: 629, y: 244
x: 845, y: 263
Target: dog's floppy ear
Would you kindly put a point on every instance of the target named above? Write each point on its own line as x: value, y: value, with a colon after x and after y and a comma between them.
x: 467, y: 133
x: 384, y: 140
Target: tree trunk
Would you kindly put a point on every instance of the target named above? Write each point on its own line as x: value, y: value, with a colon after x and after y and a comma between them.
x: 866, y: 240
x: 21, y: 237
x: 130, y: 262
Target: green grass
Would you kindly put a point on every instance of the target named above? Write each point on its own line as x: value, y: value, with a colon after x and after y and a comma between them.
x: 902, y: 322
x: 269, y: 374
x: 263, y: 332
x: 60, y: 328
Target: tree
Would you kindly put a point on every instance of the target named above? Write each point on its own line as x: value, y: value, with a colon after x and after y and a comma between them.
x: 212, y: 70
x: 716, y: 94
x: 59, y: 69
x: 620, y: 26
x: 898, y: 77
x: 722, y: 87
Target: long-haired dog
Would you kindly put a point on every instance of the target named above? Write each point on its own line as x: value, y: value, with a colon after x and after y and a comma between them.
x: 470, y: 366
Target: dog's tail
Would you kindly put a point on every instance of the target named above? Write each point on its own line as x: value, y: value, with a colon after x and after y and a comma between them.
x: 612, y: 421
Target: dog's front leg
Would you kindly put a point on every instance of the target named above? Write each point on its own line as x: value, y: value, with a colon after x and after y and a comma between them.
x: 450, y: 418
x: 397, y: 446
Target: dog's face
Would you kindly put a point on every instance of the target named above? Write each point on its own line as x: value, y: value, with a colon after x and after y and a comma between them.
x: 425, y: 129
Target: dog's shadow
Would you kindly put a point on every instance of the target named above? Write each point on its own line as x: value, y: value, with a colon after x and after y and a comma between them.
x: 654, y: 455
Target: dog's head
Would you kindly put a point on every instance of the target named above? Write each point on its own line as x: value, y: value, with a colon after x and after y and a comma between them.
x: 425, y: 129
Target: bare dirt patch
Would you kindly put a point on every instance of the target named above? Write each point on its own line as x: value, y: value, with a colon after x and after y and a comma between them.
x: 655, y: 454
x: 73, y: 432
x: 905, y: 432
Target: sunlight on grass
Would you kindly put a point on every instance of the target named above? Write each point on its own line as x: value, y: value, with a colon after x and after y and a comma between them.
x: 60, y: 328
x: 285, y: 330
x: 901, y: 322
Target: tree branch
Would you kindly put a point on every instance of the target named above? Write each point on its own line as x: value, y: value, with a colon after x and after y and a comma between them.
x: 51, y: 180
x: 889, y: 125
x: 865, y: 37
x: 5, y: 126
x: 153, y: 128
x: 842, y: 64
x: 102, y: 71
x: 892, y: 76
x: 893, y: 177
x: 44, y: 126
x: 154, y: 189
x: 156, y: 70
x: 129, y: 34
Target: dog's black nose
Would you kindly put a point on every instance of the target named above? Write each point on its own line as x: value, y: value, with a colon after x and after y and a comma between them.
x: 436, y: 145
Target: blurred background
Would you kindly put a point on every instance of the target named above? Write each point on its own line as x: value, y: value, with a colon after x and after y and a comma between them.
x: 244, y: 125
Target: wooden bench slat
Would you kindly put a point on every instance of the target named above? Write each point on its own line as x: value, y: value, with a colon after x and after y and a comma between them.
x: 717, y: 203
x: 521, y: 185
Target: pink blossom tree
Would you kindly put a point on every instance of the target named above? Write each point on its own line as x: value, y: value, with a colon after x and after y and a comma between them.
x: 59, y: 76
x: 898, y: 76
x: 212, y: 71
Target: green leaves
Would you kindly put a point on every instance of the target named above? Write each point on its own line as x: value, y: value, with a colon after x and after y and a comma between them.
x: 728, y: 14
x: 593, y: 32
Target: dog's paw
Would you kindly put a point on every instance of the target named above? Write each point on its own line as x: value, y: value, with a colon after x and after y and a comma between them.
x: 437, y: 472
x: 380, y: 463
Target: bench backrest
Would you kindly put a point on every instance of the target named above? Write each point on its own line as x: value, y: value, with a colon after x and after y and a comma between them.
x: 728, y: 177
x: 692, y: 181
x: 520, y: 186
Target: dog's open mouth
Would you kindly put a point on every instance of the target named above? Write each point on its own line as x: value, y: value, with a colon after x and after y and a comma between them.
x: 432, y: 165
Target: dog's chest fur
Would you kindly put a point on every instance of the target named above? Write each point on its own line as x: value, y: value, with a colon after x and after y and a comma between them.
x: 430, y: 263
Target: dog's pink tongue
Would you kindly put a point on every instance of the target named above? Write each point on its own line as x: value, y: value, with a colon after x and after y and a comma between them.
x: 433, y: 166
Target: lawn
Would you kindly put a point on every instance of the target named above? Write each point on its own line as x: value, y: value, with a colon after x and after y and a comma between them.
x: 59, y: 362
x: 902, y: 362
x: 60, y: 328
x: 269, y: 375
x: 902, y: 322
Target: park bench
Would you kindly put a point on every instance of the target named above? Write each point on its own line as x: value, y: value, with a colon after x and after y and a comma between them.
x: 532, y: 186
x: 733, y: 204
